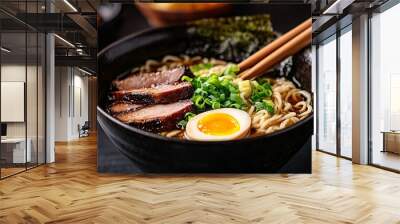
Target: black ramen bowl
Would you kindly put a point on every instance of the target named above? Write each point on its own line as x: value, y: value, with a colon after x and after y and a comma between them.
x: 157, y: 154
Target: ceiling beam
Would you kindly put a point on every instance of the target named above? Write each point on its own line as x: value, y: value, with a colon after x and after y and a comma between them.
x: 48, y: 22
x: 76, y: 16
x: 86, y: 27
x: 78, y: 61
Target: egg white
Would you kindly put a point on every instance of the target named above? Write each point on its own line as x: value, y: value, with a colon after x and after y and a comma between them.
x: 192, y: 131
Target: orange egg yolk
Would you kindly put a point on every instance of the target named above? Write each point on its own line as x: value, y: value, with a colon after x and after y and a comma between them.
x: 218, y: 124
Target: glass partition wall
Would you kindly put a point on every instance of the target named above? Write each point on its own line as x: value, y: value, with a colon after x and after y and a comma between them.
x: 384, y: 89
x: 334, y: 89
x: 326, y: 96
x: 345, y: 92
x: 334, y: 93
x: 22, y: 78
x: 13, y: 85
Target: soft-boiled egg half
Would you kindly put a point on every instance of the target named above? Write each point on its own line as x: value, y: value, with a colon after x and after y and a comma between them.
x: 219, y: 125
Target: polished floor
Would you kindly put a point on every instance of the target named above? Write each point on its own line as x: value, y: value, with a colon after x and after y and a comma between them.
x: 71, y: 191
x: 386, y: 159
x: 5, y: 172
x: 8, y: 171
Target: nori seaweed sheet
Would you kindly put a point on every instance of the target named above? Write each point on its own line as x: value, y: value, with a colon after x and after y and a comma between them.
x: 230, y: 38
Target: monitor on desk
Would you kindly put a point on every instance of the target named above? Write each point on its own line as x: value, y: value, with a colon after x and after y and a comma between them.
x: 3, y: 130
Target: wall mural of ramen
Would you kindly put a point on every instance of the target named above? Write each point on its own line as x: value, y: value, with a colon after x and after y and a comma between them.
x: 221, y: 88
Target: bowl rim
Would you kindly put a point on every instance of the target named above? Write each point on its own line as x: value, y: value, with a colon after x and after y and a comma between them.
x: 217, y: 6
x: 177, y: 140
x: 136, y: 34
x: 186, y: 141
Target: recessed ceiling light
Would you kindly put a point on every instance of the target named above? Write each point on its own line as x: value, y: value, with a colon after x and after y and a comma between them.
x: 5, y: 50
x: 337, y: 7
x: 84, y: 71
x: 64, y: 40
x: 70, y: 5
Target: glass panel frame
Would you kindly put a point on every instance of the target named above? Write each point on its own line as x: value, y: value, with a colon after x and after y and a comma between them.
x: 41, y: 112
x: 327, y: 103
x: 32, y: 63
x: 345, y: 93
x: 340, y: 134
x: 32, y: 97
x: 383, y: 73
x: 14, y: 72
x: 32, y: 87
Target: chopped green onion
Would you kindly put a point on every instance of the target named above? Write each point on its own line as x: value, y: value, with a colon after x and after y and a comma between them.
x: 267, y: 105
x: 216, y: 91
x: 186, y: 78
x: 231, y: 70
x: 182, y: 124
x: 215, y: 105
x: 196, y: 69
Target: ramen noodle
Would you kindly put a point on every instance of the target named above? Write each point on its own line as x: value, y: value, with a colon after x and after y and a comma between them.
x: 291, y: 104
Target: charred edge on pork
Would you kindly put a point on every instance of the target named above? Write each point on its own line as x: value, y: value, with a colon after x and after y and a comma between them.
x: 148, y: 80
x: 159, y: 94
x: 157, y: 118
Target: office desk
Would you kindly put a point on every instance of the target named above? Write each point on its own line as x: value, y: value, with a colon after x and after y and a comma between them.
x: 391, y: 141
x: 13, y: 150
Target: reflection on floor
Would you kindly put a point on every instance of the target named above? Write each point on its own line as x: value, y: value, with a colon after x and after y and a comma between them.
x: 71, y: 191
x: 9, y: 170
x: 387, y: 159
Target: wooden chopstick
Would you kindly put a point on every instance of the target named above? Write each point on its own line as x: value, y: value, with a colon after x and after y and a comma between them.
x: 265, y: 51
x: 291, y: 47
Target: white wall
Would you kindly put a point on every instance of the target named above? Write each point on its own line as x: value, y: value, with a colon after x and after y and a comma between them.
x: 61, y: 103
x: 15, y: 72
x: 33, y: 126
x: 80, y: 102
x: 71, y: 102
